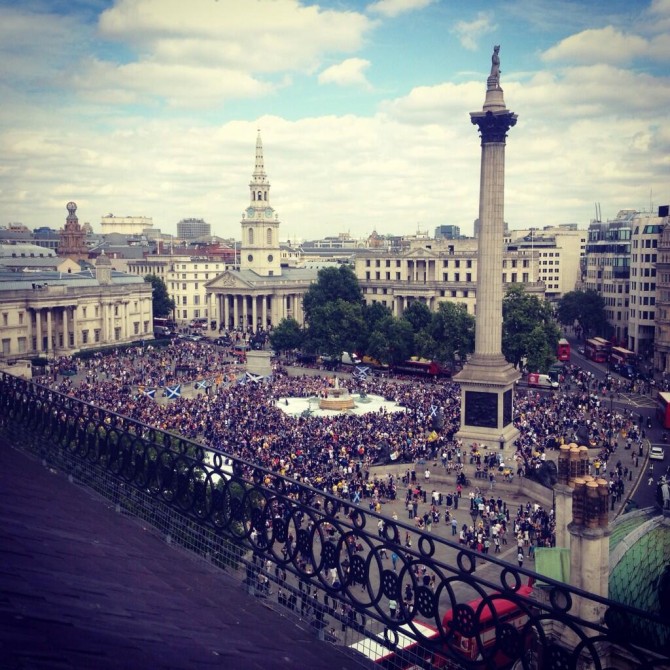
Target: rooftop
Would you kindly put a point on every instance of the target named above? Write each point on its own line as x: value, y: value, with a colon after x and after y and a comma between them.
x: 86, y: 587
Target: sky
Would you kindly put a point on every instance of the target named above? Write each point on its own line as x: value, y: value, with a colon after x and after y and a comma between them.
x: 152, y: 108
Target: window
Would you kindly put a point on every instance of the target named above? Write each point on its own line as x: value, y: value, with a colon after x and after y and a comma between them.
x: 183, y: 300
x: 6, y: 345
x: 84, y: 336
x: 96, y: 334
x: 5, y: 318
x: 268, y: 236
x: 20, y: 318
x: 250, y: 236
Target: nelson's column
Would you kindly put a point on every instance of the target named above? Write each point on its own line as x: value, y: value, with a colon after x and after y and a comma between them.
x: 487, y: 380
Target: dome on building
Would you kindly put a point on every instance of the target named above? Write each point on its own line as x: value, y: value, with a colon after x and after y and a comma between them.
x: 103, y: 259
x: 640, y: 574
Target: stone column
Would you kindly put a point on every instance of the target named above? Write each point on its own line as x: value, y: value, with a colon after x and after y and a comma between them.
x: 264, y: 315
x: 236, y: 321
x: 49, y: 332
x: 66, y: 335
x: 487, y: 380
x: 254, y: 312
x: 75, y: 326
x: 245, y: 312
x: 38, y: 327
x: 226, y: 311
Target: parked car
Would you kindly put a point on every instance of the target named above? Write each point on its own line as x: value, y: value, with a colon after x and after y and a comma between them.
x: 656, y: 454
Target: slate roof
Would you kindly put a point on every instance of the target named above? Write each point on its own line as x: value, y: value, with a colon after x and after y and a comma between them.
x: 82, y: 586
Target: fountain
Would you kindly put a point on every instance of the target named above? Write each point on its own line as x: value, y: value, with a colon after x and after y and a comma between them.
x: 337, y: 399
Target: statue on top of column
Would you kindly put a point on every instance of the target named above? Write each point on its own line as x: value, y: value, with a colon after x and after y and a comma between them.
x: 495, y: 63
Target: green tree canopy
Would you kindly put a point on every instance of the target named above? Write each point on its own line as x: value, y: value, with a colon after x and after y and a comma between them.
x: 449, y: 336
x: 585, y: 308
x: 163, y: 304
x: 332, y: 284
x: 336, y: 326
x: 522, y: 314
x: 392, y: 341
x: 287, y: 335
x: 418, y: 315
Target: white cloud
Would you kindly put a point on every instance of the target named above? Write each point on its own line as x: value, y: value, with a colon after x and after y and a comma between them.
x: 393, y: 8
x: 350, y: 72
x: 603, y: 45
x: 469, y: 33
x: 205, y: 53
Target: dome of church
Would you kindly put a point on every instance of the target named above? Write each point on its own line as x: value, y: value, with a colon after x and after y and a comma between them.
x: 640, y: 574
x: 103, y: 259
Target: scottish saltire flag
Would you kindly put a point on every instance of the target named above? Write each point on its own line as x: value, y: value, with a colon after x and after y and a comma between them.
x: 361, y: 372
x: 203, y: 384
x: 173, y: 392
x: 150, y: 393
x: 433, y: 410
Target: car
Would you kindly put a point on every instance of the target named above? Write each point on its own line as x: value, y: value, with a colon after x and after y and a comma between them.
x: 656, y: 454
x: 223, y: 341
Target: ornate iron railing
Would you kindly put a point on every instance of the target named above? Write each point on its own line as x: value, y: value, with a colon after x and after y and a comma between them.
x: 327, y: 560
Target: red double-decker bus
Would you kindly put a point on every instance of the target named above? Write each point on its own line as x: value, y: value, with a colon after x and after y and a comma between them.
x: 563, y: 350
x: 663, y: 408
x: 597, y: 349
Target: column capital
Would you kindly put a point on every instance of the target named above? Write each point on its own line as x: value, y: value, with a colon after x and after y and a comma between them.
x: 493, y: 126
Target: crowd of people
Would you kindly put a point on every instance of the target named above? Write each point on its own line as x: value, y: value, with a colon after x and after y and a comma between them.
x: 336, y: 454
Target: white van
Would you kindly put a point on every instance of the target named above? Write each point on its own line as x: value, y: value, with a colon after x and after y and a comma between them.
x: 541, y: 381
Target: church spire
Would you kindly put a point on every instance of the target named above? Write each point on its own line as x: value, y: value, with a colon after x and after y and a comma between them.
x: 259, y: 187
x: 260, y: 225
x: 259, y: 175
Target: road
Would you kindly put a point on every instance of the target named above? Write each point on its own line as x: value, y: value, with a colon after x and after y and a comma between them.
x: 644, y: 405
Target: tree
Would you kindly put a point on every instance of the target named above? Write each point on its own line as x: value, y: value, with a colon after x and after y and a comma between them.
x: 522, y: 314
x: 449, y: 336
x: 418, y: 314
x: 287, y: 335
x: 331, y: 284
x: 540, y: 356
x: 163, y: 304
x: 585, y: 308
x: 392, y: 341
x: 335, y: 327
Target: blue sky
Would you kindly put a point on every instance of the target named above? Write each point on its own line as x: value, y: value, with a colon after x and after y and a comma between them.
x: 151, y: 108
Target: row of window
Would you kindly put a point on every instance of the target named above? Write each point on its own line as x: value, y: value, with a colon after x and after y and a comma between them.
x: 456, y: 278
x: 86, y: 336
x: 84, y: 314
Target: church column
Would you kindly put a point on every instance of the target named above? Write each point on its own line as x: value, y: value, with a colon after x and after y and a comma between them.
x: 38, y: 326
x: 49, y: 331
x: 75, y: 325
x: 264, y: 316
x: 283, y: 308
x: 66, y: 337
x: 254, y: 312
x: 236, y: 321
x: 245, y: 312
x: 103, y: 323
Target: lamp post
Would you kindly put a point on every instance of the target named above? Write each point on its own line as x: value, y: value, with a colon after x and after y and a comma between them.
x: 474, y: 513
x: 611, y: 431
x: 501, y: 439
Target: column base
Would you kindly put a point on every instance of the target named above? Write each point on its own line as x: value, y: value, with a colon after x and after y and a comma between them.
x: 487, y: 402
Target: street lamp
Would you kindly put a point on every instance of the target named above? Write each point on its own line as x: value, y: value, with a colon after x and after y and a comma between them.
x: 474, y: 513
x: 611, y: 431
x: 501, y: 439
